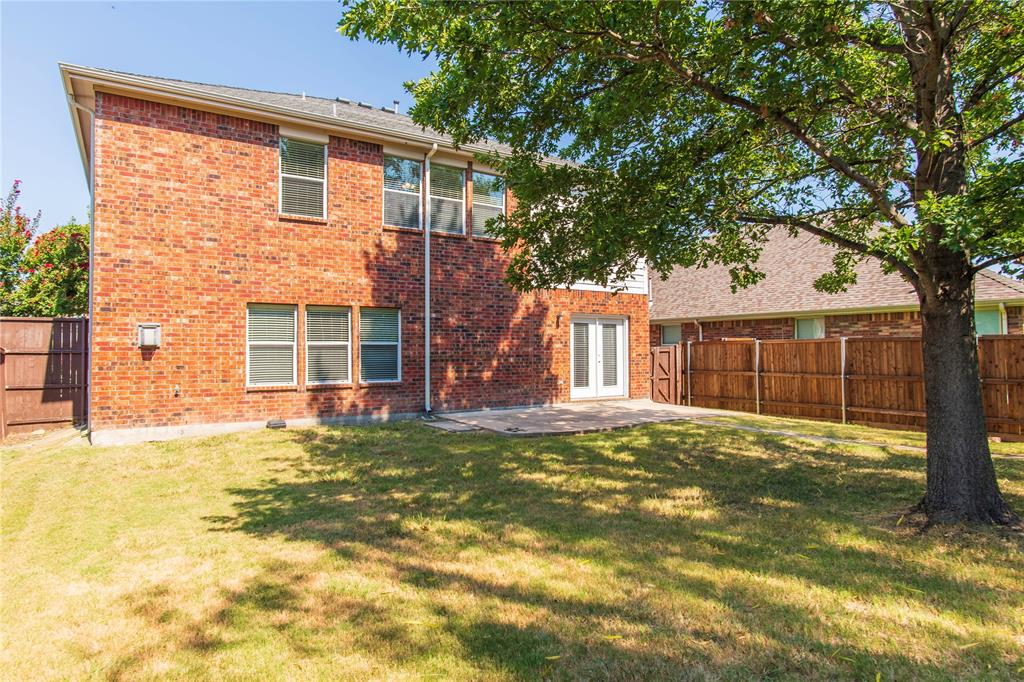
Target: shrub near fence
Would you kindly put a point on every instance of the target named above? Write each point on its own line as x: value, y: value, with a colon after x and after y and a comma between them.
x: 865, y: 380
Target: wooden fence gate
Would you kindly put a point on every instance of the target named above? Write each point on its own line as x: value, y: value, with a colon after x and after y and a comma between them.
x: 43, y: 369
x: 865, y: 380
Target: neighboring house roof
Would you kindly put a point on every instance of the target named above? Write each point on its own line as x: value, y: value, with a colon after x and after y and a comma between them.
x: 791, y: 264
x: 340, y: 115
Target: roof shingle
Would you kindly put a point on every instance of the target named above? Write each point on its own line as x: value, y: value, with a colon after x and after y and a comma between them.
x: 791, y: 264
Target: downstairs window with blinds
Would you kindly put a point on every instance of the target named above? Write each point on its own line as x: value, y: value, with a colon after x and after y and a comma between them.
x: 270, y: 341
x: 303, y: 178
x: 488, y: 201
x: 328, y: 351
x: 447, y: 199
x: 379, y: 345
x: 402, y: 199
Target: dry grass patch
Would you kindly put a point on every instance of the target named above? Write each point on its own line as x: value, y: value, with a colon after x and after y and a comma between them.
x: 673, y: 551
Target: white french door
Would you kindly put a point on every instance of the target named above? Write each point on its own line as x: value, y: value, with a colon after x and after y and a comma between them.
x: 598, y: 357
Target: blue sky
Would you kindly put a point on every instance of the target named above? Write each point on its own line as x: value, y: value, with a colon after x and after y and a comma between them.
x: 283, y: 46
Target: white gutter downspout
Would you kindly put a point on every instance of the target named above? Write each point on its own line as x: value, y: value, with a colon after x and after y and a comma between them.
x: 426, y: 282
x: 700, y: 329
x: 1003, y: 323
x: 92, y: 249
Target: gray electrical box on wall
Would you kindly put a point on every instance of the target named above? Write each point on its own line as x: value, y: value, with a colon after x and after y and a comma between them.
x: 149, y: 335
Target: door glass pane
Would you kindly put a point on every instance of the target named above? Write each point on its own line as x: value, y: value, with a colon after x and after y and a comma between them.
x: 581, y: 355
x: 609, y: 355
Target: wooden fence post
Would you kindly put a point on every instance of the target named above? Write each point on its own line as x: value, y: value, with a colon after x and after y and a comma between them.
x: 757, y: 375
x: 3, y: 392
x: 842, y: 374
x: 689, y: 393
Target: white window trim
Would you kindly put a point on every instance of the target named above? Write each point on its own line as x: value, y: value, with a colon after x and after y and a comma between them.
x: 481, y: 203
x: 381, y: 343
x: 250, y: 344
x: 462, y: 201
x: 281, y: 175
x: 329, y: 343
x: 419, y: 195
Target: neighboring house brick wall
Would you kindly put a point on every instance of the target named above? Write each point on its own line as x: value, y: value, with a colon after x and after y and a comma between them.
x: 906, y: 323
x: 187, y: 232
x: 1015, y: 319
x: 874, y: 324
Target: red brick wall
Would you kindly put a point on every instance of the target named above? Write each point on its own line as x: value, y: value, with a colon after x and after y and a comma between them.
x: 188, y: 233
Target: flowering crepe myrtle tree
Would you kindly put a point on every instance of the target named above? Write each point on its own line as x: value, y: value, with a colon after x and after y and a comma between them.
x: 889, y: 130
x: 55, y: 272
x: 41, y: 274
x: 16, y: 232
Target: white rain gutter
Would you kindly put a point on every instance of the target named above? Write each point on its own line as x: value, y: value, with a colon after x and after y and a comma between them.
x: 700, y: 329
x: 1003, y: 322
x: 92, y: 248
x: 426, y: 281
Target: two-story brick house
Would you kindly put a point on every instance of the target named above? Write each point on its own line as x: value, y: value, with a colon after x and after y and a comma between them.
x: 260, y: 256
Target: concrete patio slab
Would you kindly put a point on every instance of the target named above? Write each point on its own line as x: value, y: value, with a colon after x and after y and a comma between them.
x: 579, y: 417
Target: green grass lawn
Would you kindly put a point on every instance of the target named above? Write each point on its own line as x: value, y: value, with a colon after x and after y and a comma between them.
x: 672, y: 551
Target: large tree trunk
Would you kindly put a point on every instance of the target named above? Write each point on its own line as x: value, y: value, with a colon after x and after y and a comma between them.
x: 961, y: 483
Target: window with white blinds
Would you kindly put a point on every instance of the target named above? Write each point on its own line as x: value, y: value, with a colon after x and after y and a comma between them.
x: 303, y: 178
x: 447, y: 199
x: 270, y: 341
x: 580, y: 354
x: 488, y: 201
x: 379, y: 345
x: 402, y: 192
x: 328, y: 350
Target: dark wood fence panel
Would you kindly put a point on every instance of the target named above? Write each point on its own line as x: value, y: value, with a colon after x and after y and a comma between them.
x: 802, y: 378
x: 43, y: 369
x: 1001, y: 360
x: 723, y: 374
x: 876, y: 381
x: 884, y: 381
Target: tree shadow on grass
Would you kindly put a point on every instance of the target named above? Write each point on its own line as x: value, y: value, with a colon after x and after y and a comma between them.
x: 739, y: 525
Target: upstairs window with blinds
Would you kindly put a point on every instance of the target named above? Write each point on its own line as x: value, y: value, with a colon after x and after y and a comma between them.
x: 447, y: 199
x: 270, y: 337
x: 303, y: 178
x: 402, y: 192
x: 379, y: 345
x: 328, y: 354
x: 488, y: 201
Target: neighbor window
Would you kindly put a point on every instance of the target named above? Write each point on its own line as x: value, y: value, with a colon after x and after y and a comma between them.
x: 379, y: 345
x: 988, y: 322
x: 488, y: 201
x: 270, y: 339
x: 671, y: 334
x: 303, y: 178
x: 810, y: 328
x: 447, y: 199
x: 402, y: 200
x: 328, y: 357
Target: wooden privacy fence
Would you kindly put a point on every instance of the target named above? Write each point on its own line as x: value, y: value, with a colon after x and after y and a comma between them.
x: 864, y: 380
x: 42, y: 372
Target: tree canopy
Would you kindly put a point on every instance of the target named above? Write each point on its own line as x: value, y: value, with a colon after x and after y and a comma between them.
x: 41, y: 274
x: 695, y: 127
